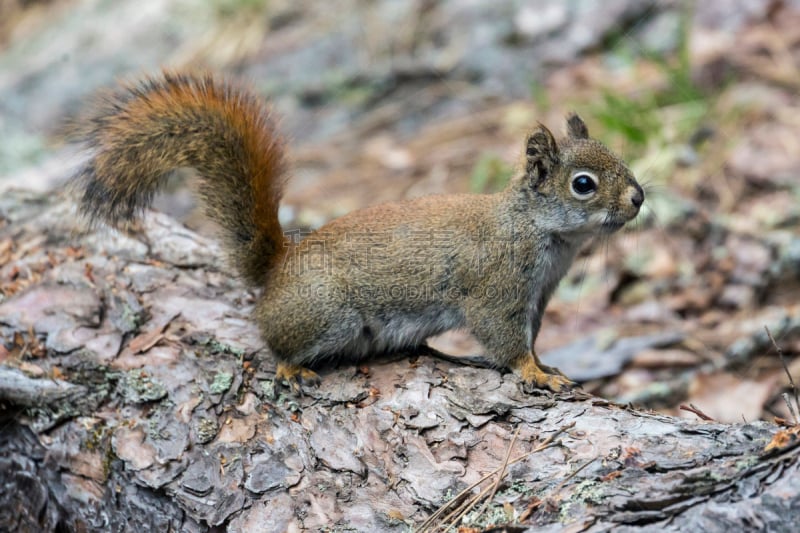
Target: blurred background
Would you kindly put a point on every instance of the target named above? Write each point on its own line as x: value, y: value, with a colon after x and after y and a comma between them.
x: 384, y: 100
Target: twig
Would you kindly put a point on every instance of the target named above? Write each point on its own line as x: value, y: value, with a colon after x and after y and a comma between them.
x: 692, y: 409
x: 789, y: 405
x: 546, y: 443
x: 457, y: 513
x: 791, y: 380
x: 573, y: 474
x: 453, y: 518
x: 502, y: 473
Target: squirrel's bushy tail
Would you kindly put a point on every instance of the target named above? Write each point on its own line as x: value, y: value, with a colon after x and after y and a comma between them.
x: 138, y: 135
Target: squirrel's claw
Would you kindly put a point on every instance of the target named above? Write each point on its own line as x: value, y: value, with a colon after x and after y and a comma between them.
x: 536, y: 375
x: 553, y: 382
x: 295, y: 375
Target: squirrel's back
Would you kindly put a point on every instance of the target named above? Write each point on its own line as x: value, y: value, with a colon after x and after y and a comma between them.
x: 139, y: 134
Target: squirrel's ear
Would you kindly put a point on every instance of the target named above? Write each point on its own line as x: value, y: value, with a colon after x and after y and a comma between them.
x: 541, y: 155
x: 576, y: 128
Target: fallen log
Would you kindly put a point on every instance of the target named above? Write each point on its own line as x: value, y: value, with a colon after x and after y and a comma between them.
x: 135, y: 394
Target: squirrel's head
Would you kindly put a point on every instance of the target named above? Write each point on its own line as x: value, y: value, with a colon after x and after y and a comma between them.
x: 580, y: 187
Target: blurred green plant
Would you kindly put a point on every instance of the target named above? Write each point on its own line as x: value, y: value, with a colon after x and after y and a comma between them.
x: 232, y: 8
x: 639, y: 120
x: 490, y: 174
x: 539, y: 95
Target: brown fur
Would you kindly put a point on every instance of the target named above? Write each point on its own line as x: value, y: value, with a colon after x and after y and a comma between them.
x: 378, y: 280
x: 141, y: 133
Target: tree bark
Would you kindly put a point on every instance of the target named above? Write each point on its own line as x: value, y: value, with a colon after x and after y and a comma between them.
x: 136, y: 395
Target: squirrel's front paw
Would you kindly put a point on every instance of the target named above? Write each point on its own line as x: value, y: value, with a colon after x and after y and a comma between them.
x: 295, y: 375
x: 554, y: 382
x: 535, y: 374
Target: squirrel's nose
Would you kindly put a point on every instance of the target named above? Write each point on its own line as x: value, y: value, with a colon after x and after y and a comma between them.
x: 638, y: 197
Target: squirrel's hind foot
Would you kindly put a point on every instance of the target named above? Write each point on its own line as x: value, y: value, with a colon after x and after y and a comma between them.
x: 295, y: 375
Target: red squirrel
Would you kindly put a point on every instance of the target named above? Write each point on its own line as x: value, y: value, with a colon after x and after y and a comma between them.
x: 384, y: 284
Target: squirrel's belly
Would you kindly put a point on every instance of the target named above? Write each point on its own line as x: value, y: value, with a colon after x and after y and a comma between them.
x: 399, y: 331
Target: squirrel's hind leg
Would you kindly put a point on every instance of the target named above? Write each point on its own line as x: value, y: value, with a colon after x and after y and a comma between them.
x: 477, y: 361
x: 528, y: 367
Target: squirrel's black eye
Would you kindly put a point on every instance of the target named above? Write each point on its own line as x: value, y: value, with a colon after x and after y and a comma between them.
x: 584, y: 185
